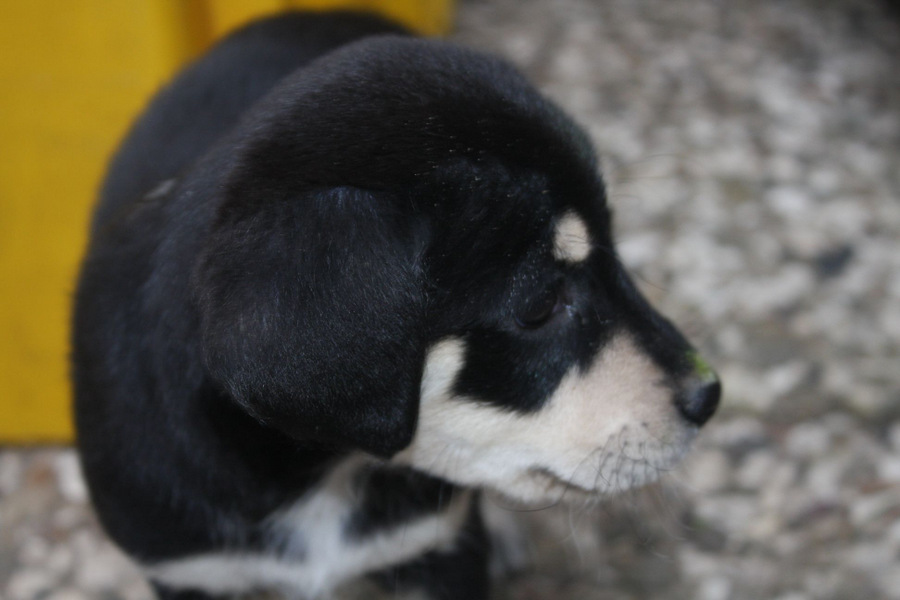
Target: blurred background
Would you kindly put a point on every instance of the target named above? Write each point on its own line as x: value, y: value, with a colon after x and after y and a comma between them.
x: 752, y: 149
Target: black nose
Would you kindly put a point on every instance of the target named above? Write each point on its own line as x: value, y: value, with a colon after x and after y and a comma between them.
x: 699, y: 401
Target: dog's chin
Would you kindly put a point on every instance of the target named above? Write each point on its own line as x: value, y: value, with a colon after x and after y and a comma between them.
x: 597, y: 477
x: 541, y: 488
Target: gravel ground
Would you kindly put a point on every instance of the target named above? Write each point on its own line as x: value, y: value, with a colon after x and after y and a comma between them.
x: 753, y: 154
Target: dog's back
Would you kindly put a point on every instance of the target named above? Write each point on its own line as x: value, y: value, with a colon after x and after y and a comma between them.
x: 208, y: 98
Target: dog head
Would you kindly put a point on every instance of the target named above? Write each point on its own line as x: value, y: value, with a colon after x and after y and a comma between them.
x: 412, y: 256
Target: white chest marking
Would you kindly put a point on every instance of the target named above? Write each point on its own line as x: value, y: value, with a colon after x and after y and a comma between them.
x: 319, y: 523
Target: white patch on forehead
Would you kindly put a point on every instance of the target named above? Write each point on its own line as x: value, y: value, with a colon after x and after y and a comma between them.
x: 609, y: 428
x: 571, y: 240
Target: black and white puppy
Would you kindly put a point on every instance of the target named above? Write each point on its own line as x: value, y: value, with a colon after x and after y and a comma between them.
x: 340, y: 278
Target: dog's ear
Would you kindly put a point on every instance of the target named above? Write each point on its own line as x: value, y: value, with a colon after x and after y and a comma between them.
x: 312, y: 316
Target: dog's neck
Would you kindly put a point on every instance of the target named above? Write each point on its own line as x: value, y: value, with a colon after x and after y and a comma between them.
x: 350, y: 523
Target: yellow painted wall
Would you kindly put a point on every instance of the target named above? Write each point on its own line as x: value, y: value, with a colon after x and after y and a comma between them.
x: 72, y: 76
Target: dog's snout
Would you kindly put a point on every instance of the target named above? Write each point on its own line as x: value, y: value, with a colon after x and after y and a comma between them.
x: 699, y: 401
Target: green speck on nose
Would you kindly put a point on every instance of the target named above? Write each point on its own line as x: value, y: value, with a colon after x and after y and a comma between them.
x: 701, y: 367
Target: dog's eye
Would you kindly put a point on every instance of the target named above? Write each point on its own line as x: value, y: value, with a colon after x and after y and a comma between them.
x: 541, y: 308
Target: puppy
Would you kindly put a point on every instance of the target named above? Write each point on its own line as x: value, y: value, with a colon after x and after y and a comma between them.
x: 340, y: 279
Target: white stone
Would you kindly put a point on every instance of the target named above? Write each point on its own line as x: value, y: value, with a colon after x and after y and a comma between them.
x: 33, y: 550
x: 865, y: 160
x: 68, y: 517
x: 807, y: 441
x: 701, y: 130
x: 67, y: 594
x: 736, y: 432
x: 84, y: 543
x: 870, y: 400
x: 782, y: 477
x: 707, y: 471
x: 784, y: 379
x: 731, y: 339
x: 715, y: 588
x: 756, y: 470
x: 825, y: 180
x: 59, y: 560
x: 894, y: 436
x: 846, y: 218
x: 889, y: 468
x: 697, y: 565
x: 823, y: 582
x: 100, y: 570
x: 840, y: 379
x: 69, y: 477
x: 840, y: 423
x: 893, y: 535
x: 10, y: 472
x: 743, y: 388
x: 729, y: 513
x: 789, y: 202
x: 868, y: 508
x: 788, y: 545
x: 764, y: 528
x: 28, y: 584
x: 889, y: 580
x: 784, y: 167
x: 825, y: 477
x: 762, y: 296
x: 870, y: 557
x: 136, y: 588
x: 639, y: 250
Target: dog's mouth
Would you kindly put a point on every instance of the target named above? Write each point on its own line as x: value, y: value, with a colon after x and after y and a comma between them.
x: 557, y: 486
x: 540, y: 487
x: 609, y: 473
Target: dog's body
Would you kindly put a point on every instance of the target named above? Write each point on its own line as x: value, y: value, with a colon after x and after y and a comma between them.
x: 325, y: 301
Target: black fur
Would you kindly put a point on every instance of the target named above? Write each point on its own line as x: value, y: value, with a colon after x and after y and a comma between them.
x: 239, y: 331
x: 390, y: 497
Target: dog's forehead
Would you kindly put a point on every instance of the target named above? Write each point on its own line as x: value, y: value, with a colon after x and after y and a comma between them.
x: 458, y: 136
x: 393, y: 120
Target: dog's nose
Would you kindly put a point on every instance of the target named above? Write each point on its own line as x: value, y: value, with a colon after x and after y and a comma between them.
x: 701, y: 393
x: 699, y: 401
